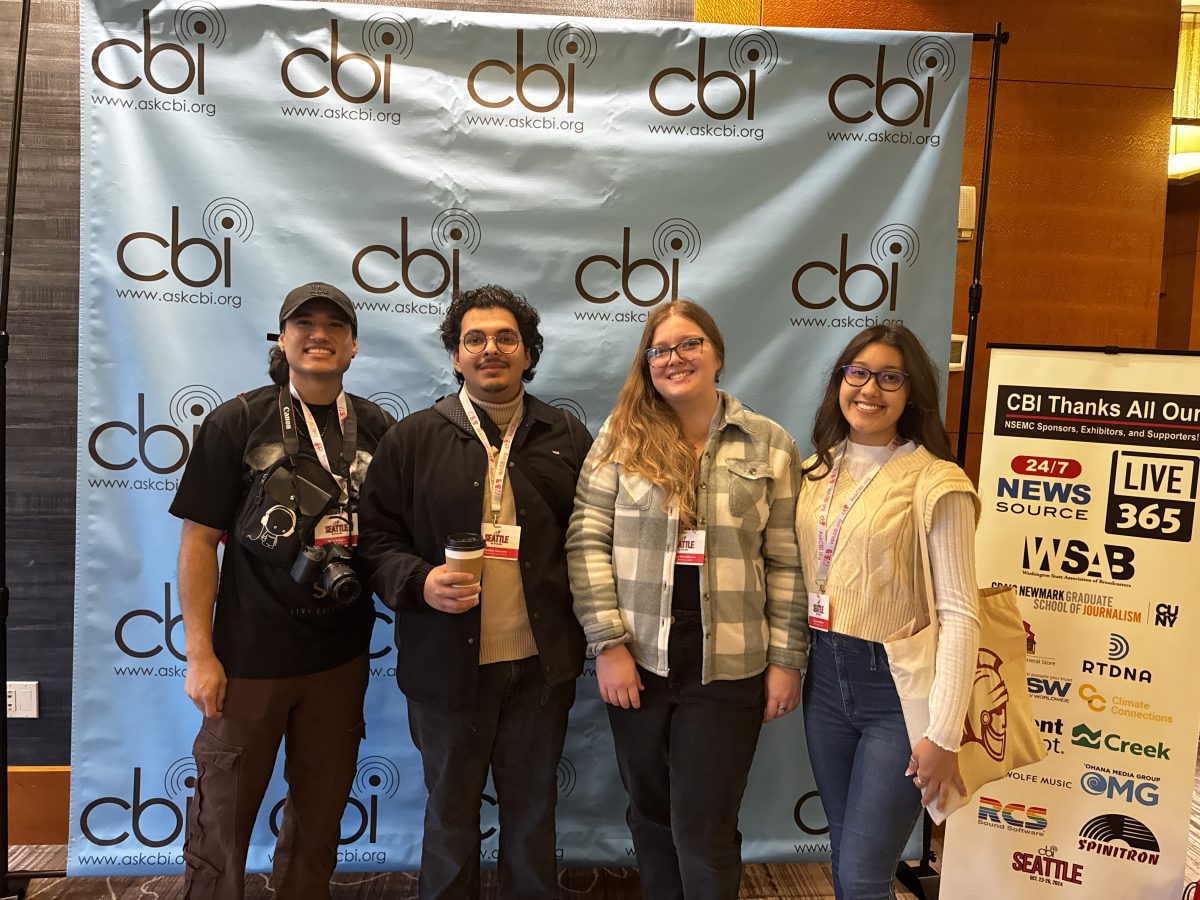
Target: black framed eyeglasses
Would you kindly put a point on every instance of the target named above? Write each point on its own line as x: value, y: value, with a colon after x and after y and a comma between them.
x: 687, y: 350
x: 888, y: 379
x: 477, y: 341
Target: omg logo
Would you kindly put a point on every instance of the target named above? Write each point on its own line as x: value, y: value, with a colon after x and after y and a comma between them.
x: 720, y: 93
x: 674, y: 241
x: 424, y: 271
x: 168, y: 67
x: 311, y: 72
x: 540, y: 87
x: 898, y: 101
x: 196, y: 261
x: 862, y: 286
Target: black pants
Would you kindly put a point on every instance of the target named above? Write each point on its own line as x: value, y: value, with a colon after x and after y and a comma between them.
x: 517, y: 729
x: 684, y: 758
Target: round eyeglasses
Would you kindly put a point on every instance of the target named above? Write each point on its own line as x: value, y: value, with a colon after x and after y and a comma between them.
x: 477, y: 341
x: 687, y: 350
x: 888, y: 380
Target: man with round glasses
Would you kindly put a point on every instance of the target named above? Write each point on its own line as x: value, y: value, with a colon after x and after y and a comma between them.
x: 488, y: 667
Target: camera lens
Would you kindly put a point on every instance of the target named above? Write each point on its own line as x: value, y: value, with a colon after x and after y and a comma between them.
x: 340, y: 583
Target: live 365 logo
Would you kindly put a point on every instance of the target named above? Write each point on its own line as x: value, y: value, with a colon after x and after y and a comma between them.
x: 168, y: 67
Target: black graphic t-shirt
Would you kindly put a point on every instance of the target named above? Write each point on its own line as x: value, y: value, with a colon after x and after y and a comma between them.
x: 256, y: 632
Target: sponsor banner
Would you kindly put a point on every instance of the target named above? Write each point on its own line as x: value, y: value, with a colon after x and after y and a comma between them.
x: 231, y: 151
x: 1089, y: 482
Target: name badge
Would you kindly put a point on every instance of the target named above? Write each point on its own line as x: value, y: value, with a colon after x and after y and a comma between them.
x: 337, y: 528
x: 503, y: 541
x: 690, y: 551
x: 818, y: 611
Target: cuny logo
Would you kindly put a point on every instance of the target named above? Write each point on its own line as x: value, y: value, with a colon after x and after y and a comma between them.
x: 674, y: 239
x: 722, y: 93
x: 567, y: 43
x: 196, y: 22
x: 453, y: 231
x: 153, y: 821
x: 1094, y: 739
x: 1099, y: 836
x: 223, y: 220
x: 188, y: 407
x: 1110, y: 785
x: 1074, y: 557
x: 891, y: 245
x: 1118, y: 650
x: 1012, y: 816
x: 386, y: 36
x: 898, y: 101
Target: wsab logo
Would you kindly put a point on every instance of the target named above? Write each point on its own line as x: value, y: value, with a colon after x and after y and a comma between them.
x: 208, y: 258
x: 898, y: 101
x: 1118, y: 650
x: 145, y: 641
x: 540, y: 87
x: 875, y: 283
x: 187, y: 409
x: 1165, y: 615
x: 1102, y: 835
x: 1012, y: 816
x: 1061, y: 556
x: 674, y: 240
x: 377, y: 778
x: 1111, y: 786
x: 569, y: 405
x: 153, y: 821
x: 387, y: 38
x: 722, y: 93
x: 391, y: 403
x: 453, y: 232
x: 167, y: 67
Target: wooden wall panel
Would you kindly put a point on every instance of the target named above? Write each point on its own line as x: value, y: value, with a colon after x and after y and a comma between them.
x: 1178, y: 324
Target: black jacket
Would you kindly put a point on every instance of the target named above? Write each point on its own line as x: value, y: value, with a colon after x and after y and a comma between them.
x: 427, y: 481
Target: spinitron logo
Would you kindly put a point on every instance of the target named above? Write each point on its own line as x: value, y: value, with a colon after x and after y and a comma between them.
x: 311, y: 72
x: 820, y: 284
x: 674, y: 240
x: 110, y: 449
x: 899, y: 101
x: 720, y: 93
x: 539, y: 87
x: 154, y: 821
x: 391, y: 403
x: 166, y: 66
x: 193, y: 260
x: 424, y: 272
x: 1102, y: 834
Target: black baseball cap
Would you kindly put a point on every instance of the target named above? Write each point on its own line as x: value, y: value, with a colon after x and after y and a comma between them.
x: 317, y: 290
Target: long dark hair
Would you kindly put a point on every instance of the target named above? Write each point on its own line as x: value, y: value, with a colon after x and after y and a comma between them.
x: 921, y: 420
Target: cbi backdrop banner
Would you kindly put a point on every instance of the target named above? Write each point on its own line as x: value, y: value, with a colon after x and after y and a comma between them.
x: 1089, y: 484
x: 799, y: 184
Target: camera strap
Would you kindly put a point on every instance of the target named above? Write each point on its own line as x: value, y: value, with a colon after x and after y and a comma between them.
x: 347, y: 423
x: 498, y: 460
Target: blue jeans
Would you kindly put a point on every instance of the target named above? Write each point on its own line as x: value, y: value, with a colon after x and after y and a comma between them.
x: 859, y: 749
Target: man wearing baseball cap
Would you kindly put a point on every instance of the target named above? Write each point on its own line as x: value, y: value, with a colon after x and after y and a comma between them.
x: 277, y: 635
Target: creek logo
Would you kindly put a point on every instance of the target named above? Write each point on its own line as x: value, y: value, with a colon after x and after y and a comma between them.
x: 355, y: 77
x: 875, y: 282
x: 674, y: 241
x: 376, y: 778
x: 1073, y: 558
x: 540, y: 87
x: 1103, y: 835
x: 153, y: 821
x: 118, y: 445
x: 391, y: 403
x: 425, y: 272
x: 898, y: 100
x: 1047, y: 867
x: 720, y: 94
x: 167, y: 67
x: 1118, y: 651
x: 1094, y: 739
x: 198, y: 262
x: 569, y: 405
x: 147, y: 633
x: 1101, y: 782
x: 1012, y: 816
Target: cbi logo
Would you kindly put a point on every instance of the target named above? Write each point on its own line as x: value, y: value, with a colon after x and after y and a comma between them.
x: 172, y: 443
x: 568, y: 405
x: 154, y: 821
x: 1055, y: 556
x: 721, y: 93
x: 425, y: 272
x: 674, y: 240
x: 1012, y: 816
x: 874, y: 283
x: 803, y: 822
x: 898, y: 101
x: 145, y: 641
x: 169, y: 68
x: 541, y: 87
x: 376, y: 777
x: 195, y: 261
x: 386, y: 36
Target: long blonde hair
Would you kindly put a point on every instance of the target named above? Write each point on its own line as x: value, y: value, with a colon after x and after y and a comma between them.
x: 644, y: 434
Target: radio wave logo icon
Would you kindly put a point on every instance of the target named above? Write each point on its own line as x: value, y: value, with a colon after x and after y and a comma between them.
x: 566, y: 403
x: 228, y: 216
x: 570, y: 43
x: 191, y: 404
x: 196, y: 22
x: 990, y: 694
x: 540, y: 87
x: 750, y: 52
x: 1118, y: 647
x: 566, y: 776
x: 454, y: 231
x: 455, y: 228
x: 387, y: 34
x: 223, y: 220
x: 391, y: 403
x: 376, y: 775
x: 890, y: 247
x: 180, y: 778
x: 673, y: 240
x: 931, y: 56
x: 388, y: 37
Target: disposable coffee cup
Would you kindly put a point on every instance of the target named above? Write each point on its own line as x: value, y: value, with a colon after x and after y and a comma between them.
x: 464, y: 553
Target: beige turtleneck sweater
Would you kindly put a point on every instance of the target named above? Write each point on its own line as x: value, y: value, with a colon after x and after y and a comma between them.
x: 504, y: 620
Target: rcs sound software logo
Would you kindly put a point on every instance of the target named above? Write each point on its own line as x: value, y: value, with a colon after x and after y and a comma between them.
x: 453, y: 232
x: 540, y: 87
x: 720, y: 94
x: 891, y: 246
x: 195, y: 261
x: 897, y: 101
x: 167, y: 67
x: 187, y: 409
x: 355, y: 77
x: 674, y: 240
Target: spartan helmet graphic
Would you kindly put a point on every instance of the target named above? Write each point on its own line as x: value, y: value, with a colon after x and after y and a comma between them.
x: 990, y: 695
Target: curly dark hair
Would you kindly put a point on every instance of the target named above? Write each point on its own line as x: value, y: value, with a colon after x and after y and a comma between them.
x: 492, y: 296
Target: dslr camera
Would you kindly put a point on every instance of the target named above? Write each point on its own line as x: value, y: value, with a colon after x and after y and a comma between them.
x: 328, y: 569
